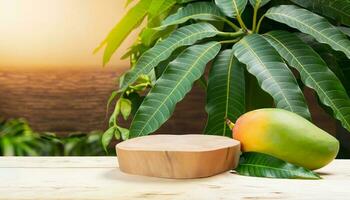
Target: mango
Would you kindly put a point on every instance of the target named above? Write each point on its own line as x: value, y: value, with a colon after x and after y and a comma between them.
x: 285, y: 135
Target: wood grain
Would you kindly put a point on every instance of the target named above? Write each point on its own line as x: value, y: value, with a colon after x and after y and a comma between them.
x: 62, y: 181
x: 174, y: 156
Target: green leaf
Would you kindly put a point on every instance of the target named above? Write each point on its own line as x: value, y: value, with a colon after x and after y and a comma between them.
x: 263, y: 165
x: 110, y: 99
x: 231, y: 8
x: 314, y: 72
x: 184, y: 36
x: 124, y: 132
x: 225, y: 93
x: 272, y: 73
x: 157, y: 13
x: 107, y: 137
x: 125, y: 107
x: 259, y: 3
x: 345, y: 30
x: 206, y: 11
x: 312, y: 24
x: 150, y: 35
x: 128, y: 23
x: 172, y: 87
x: 338, y: 10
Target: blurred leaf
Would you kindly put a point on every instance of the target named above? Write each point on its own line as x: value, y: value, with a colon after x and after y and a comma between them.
x: 107, y: 137
x: 125, y: 107
x: 263, y: 165
x: 129, y: 22
x: 124, y: 133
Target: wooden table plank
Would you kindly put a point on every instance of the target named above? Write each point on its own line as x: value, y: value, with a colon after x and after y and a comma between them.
x: 99, y: 178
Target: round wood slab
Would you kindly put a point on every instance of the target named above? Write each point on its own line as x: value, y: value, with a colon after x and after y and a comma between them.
x: 178, y: 156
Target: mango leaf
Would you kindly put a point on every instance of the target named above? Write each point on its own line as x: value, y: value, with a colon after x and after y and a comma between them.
x: 125, y: 108
x: 107, y: 137
x: 312, y: 24
x: 263, y: 165
x: 225, y: 93
x: 206, y: 11
x: 231, y: 8
x: 157, y: 13
x: 183, y: 36
x: 150, y: 35
x: 172, y: 87
x: 128, y: 23
x: 272, y: 73
x: 345, y: 30
x: 259, y: 3
x: 314, y: 72
x: 338, y: 10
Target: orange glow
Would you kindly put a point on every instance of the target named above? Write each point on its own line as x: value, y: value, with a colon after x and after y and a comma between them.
x: 57, y: 33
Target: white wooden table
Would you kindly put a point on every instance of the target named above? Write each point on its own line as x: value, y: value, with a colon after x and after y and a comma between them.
x: 100, y: 178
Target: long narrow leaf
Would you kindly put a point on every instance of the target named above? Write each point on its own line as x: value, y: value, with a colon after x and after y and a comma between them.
x: 206, y: 11
x: 336, y: 9
x: 312, y: 24
x: 172, y: 87
x: 273, y: 75
x: 263, y: 165
x: 184, y: 36
x: 231, y: 8
x: 225, y: 93
x: 130, y: 21
x: 314, y: 72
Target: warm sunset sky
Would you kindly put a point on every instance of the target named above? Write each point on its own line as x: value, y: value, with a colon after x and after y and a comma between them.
x: 56, y: 33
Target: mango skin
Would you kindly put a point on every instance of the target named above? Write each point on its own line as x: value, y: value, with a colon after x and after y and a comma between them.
x: 287, y: 136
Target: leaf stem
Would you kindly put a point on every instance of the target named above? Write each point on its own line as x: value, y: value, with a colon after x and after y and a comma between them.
x: 259, y: 24
x: 256, y: 8
x: 230, y: 124
x: 232, y: 34
x: 241, y: 23
x: 230, y: 41
x: 232, y: 25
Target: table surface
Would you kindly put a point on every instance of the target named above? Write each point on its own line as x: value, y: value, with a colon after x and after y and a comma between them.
x: 100, y: 178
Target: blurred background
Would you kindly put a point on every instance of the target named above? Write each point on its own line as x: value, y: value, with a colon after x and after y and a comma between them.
x: 54, y: 91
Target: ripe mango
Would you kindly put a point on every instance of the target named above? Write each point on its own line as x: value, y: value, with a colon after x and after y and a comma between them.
x: 287, y: 136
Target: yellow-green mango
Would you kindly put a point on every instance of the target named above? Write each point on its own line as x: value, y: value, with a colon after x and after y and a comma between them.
x: 287, y: 136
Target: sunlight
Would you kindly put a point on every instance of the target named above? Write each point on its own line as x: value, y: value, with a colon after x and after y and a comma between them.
x: 56, y: 33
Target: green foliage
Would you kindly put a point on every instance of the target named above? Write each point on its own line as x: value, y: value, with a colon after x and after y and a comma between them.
x: 312, y: 24
x: 231, y: 8
x: 338, y: 10
x: 172, y: 87
x: 263, y: 165
x: 225, y: 93
x: 18, y: 139
x: 315, y: 74
x: 170, y: 57
x: 184, y: 36
x: 263, y: 61
x: 198, y: 11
